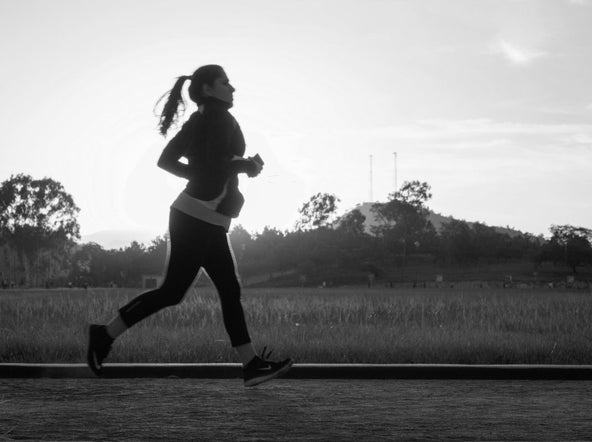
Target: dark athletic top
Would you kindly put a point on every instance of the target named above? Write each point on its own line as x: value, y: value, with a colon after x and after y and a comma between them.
x: 214, y: 146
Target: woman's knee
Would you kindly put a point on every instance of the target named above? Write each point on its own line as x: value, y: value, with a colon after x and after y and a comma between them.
x: 168, y: 296
x: 170, y: 301
x: 175, y: 285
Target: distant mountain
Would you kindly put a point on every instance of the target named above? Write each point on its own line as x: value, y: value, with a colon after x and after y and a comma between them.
x: 116, y: 239
x: 436, y: 219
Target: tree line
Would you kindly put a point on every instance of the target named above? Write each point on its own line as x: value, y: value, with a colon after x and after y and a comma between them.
x: 39, y: 233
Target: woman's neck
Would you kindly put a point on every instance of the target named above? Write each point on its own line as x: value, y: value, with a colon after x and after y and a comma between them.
x: 213, y: 102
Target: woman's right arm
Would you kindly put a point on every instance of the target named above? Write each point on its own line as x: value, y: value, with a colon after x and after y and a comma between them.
x: 173, y: 151
x: 225, y: 136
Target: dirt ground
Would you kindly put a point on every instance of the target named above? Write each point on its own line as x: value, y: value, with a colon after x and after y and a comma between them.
x: 294, y: 410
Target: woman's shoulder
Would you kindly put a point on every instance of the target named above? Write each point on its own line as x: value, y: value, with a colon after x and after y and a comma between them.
x: 221, y: 118
x: 192, y: 124
x: 193, y: 119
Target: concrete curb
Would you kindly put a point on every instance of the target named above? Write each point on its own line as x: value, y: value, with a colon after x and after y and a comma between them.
x: 307, y: 371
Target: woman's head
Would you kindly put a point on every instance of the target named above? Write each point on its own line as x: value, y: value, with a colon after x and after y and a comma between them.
x: 207, y: 81
x: 210, y: 81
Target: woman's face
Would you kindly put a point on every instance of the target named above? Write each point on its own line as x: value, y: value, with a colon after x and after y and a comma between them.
x: 220, y: 89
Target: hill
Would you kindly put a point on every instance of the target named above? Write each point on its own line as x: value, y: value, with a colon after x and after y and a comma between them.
x: 436, y: 219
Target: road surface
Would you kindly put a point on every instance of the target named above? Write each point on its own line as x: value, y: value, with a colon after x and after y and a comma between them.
x: 294, y: 409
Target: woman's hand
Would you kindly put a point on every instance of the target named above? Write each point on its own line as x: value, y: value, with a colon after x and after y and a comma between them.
x: 255, y: 167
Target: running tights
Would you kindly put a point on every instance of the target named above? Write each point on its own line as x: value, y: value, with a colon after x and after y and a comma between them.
x: 195, y: 244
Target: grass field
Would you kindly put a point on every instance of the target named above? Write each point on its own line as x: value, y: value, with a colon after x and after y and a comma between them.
x: 362, y: 325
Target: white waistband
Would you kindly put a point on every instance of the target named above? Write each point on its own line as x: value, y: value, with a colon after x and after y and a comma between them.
x: 203, y: 210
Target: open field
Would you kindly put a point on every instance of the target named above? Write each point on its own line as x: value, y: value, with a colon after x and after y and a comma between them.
x: 478, y: 326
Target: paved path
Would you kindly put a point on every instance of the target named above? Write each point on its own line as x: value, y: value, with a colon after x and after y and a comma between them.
x: 290, y: 409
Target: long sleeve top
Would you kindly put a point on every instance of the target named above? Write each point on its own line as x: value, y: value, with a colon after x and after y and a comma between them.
x: 213, y: 144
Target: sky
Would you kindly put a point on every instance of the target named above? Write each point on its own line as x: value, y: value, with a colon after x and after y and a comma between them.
x: 490, y: 102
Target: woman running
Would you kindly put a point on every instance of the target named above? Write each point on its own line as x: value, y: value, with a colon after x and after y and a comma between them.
x: 213, y: 144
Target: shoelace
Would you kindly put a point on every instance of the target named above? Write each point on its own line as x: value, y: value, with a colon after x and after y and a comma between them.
x: 264, y: 356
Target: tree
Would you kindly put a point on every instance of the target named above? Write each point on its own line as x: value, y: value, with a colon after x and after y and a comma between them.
x: 352, y: 222
x: 240, y: 239
x: 88, y: 264
x: 36, y: 215
x: 405, y: 225
x: 405, y: 205
x: 565, y: 232
x: 133, y: 264
x: 157, y: 255
x: 265, y: 252
x: 414, y: 192
x: 457, y: 244
x: 570, y: 245
x: 318, y: 211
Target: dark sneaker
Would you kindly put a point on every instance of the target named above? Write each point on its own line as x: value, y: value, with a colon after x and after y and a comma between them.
x: 99, y: 346
x: 261, y: 370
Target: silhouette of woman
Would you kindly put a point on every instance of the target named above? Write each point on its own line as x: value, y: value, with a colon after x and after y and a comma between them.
x: 213, y: 144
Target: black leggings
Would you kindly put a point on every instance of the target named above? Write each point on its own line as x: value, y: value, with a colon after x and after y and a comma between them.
x: 195, y: 244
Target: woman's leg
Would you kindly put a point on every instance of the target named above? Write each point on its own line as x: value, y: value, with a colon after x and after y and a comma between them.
x: 221, y: 267
x: 189, y: 242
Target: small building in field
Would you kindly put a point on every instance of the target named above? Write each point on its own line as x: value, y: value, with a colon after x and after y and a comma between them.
x: 151, y: 281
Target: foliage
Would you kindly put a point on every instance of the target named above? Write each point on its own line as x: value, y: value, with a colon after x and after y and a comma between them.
x: 338, y: 255
x: 352, y: 223
x: 414, y: 192
x: 93, y: 265
x: 318, y: 211
x: 37, y: 212
x: 570, y: 245
x: 404, y: 226
x: 564, y: 233
x: 35, y: 216
x: 457, y: 242
x: 39, y: 217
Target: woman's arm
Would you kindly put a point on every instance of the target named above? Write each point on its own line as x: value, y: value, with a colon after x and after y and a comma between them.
x: 173, y: 151
x: 224, y: 140
x: 245, y: 165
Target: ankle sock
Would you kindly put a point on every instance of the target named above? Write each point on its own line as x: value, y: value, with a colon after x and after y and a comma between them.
x: 116, y: 327
x: 246, y: 353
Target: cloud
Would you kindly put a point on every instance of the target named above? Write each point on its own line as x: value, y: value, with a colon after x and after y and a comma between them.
x: 517, y: 55
x: 581, y: 138
x: 578, y: 2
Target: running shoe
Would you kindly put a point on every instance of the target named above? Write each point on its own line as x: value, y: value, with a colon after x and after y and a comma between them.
x: 260, y: 369
x: 99, y: 346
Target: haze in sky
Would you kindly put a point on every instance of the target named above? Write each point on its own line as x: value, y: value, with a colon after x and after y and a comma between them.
x: 489, y: 102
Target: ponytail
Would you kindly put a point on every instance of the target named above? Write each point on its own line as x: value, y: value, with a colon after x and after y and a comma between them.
x: 170, y: 111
